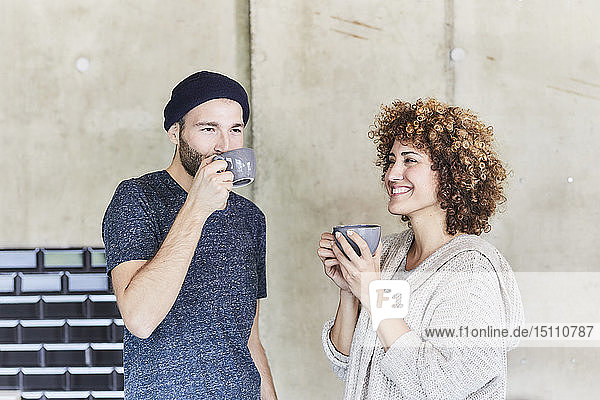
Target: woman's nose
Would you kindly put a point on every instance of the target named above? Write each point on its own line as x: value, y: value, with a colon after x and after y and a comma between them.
x: 396, y: 172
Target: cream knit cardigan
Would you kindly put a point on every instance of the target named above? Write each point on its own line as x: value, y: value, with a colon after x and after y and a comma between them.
x: 466, y: 282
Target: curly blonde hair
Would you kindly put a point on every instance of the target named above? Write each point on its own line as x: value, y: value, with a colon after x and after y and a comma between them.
x: 470, y: 174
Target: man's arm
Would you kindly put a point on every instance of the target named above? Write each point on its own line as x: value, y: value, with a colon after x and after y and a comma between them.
x: 267, y: 389
x: 146, y: 290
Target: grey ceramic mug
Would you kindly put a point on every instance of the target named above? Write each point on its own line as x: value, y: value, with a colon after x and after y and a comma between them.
x: 370, y: 233
x: 242, y: 163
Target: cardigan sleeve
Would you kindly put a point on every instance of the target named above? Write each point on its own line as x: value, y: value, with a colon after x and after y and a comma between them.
x: 338, y: 361
x: 448, y: 366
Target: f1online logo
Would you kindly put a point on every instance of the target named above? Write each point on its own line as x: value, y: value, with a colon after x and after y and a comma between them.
x: 389, y: 299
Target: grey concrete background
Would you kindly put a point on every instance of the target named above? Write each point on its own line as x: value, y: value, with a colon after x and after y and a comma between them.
x: 70, y: 137
x: 317, y: 73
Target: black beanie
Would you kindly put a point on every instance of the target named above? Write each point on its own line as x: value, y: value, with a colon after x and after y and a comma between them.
x: 199, y: 88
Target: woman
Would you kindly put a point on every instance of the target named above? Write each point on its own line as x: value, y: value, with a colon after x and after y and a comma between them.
x: 444, y: 178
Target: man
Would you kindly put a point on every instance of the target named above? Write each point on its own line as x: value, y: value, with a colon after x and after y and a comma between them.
x: 187, y: 259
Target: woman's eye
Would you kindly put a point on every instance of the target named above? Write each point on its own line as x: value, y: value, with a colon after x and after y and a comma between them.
x: 409, y: 160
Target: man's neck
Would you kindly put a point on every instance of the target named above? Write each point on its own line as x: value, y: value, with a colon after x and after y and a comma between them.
x: 179, y: 174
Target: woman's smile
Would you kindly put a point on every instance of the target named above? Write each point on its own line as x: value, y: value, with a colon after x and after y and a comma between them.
x: 399, y: 190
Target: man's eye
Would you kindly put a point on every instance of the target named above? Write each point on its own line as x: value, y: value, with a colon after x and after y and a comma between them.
x: 236, y: 131
x: 208, y: 129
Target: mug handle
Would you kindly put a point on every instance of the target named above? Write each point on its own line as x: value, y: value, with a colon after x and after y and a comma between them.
x: 219, y: 157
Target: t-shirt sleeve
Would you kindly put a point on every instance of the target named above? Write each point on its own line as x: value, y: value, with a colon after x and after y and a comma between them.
x: 261, y: 249
x: 128, y: 230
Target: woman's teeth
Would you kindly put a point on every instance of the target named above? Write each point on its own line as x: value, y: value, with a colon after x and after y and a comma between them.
x: 400, y: 190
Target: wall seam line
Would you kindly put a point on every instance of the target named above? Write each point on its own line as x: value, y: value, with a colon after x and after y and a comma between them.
x: 449, y: 39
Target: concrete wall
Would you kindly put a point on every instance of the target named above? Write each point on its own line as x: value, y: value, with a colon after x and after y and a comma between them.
x: 69, y: 137
x: 318, y: 72
x: 533, y: 69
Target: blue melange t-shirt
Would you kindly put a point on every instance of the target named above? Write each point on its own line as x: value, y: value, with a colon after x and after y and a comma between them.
x: 199, y: 351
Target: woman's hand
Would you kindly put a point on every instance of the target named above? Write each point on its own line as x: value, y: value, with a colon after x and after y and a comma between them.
x: 330, y: 263
x: 357, y: 271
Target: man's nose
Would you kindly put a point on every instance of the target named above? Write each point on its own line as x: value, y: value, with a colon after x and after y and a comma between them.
x: 222, y: 143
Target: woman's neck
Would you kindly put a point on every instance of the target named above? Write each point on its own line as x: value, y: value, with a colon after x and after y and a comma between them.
x: 430, y: 234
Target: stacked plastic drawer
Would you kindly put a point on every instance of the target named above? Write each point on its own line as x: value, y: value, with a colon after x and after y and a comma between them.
x: 61, y: 334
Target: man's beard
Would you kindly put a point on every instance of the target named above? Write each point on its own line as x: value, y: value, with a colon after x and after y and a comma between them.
x: 190, y: 158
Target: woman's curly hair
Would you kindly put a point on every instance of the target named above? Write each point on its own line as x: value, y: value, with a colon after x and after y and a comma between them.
x: 470, y: 175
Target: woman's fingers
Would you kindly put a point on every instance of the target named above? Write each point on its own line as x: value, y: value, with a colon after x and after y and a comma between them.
x: 338, y: 253
x: 360, y: 242
x: 326, y: 239
x: 327, y: 236
x: 325, y: 243
x: 325, y: 253
x: 351, y: 254
x: 330, y: 262
x: 345, y: 263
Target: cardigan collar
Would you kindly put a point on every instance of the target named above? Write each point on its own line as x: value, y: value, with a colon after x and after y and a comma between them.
x: 400, y: 244
x: 421, y: 273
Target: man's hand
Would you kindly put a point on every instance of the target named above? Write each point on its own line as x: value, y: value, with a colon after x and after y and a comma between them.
x: 210, y: 187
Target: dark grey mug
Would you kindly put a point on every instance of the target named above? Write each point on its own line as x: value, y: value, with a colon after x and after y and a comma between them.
x: 242, y: 163
x: 370, y: 233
